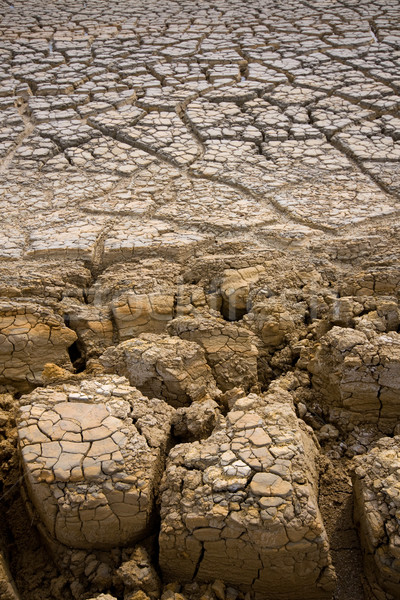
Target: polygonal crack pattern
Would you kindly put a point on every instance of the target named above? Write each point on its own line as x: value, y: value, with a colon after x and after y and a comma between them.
x: 199, y: 299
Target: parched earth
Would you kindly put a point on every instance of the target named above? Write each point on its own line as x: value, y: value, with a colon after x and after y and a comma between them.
x: 199, y: 300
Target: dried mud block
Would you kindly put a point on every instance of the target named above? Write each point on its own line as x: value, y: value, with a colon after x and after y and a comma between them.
x: 138, y: 574
x: 50, y: 280
x: 30, y: 335
x: 374, y: 281
x: 138, y: 313
x: 276, y: 321
x: 376, y: 484
x: 147, y: 276
x: 163, y: 366
x: 92, y: 456
x: 75, y: 240
x: 196, y: 421
x: 235, y: 287
x: 141, y: 295
x: 230, y: 349
x: 131, y: 237
x: 359, y: 376
x: 241, y: 506
x: 93, y: 326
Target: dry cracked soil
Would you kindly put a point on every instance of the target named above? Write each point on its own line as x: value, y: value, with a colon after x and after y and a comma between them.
x: 199, y: 300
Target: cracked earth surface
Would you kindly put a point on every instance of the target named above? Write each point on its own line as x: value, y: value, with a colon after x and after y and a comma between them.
x: 199, y: 300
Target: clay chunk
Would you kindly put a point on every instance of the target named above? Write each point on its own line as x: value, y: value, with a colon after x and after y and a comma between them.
x: 166, y: 367
x: 376, y: 483
x: 241, y: 506
x: 359, y: 376
x: 92, y: 456
x: 230, y: 349
x: 29, y: 334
